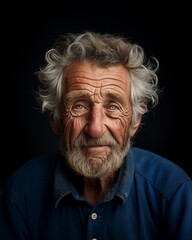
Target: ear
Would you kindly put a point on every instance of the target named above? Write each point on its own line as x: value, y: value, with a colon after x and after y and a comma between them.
x: 55, y: 125
x: 135, y: 125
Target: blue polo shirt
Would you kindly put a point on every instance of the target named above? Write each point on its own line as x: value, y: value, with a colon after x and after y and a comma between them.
x: 151, y: 199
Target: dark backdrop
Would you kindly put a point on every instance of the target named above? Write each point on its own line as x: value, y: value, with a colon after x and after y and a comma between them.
x: 26, y: 33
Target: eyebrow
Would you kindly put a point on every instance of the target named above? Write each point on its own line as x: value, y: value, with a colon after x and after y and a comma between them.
x: 115, y: 97
x: 71, y: 97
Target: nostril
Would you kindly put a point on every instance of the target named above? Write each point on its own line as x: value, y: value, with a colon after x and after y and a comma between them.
x: 95, y: 131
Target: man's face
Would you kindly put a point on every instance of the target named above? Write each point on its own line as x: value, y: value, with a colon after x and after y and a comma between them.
x: 96, y: 111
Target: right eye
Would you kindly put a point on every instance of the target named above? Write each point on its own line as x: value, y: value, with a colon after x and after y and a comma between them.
x: 79, y: 107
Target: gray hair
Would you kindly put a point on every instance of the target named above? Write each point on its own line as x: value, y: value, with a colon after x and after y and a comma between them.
x: 105, y: 50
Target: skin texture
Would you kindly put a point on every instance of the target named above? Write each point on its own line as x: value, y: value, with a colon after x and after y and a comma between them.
x: 96, y: 102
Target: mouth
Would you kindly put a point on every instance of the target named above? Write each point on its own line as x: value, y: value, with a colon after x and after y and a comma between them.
x: 96, y: 146
x: 96, y: 151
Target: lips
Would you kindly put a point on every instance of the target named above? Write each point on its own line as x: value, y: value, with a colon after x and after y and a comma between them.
x: 95, y: 146
x: 99, y: 151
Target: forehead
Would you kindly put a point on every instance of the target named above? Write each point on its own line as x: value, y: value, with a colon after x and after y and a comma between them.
x: 89, y: 76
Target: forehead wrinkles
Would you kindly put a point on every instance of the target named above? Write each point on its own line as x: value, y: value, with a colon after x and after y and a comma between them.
x: 98, y: 91
x: 96, y: 85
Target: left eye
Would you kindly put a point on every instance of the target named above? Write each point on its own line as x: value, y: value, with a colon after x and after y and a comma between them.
x: 112, y: 107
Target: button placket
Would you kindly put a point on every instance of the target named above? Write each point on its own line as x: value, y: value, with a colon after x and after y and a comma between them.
x: 96, y: 223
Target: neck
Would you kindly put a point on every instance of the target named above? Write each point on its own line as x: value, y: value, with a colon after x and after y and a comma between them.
x: 94, y: 189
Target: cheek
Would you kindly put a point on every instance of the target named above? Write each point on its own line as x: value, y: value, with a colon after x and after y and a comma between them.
x: 73, y: 127
x: 120, y: 129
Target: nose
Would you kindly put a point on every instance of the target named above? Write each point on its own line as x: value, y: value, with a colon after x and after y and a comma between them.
x: 95, y: 126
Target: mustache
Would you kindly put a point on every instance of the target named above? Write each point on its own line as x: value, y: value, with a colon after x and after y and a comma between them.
x: 86, y: 141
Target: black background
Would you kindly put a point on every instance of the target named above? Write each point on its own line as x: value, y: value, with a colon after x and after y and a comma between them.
x: 29, y: 30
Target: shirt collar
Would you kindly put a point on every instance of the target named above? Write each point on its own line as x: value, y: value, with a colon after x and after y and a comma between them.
x: 63, y: 185
x: 121, y: 187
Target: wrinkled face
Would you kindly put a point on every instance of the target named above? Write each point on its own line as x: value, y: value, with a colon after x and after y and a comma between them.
x: 96, y: 105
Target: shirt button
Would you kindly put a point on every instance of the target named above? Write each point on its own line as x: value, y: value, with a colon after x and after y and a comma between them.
x: 94, y: 216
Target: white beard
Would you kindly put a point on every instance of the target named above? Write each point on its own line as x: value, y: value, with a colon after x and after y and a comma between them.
x: 83, y: 165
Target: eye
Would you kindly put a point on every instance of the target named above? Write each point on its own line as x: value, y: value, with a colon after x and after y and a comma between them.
x: 113, y: 107
x: 79, y: 107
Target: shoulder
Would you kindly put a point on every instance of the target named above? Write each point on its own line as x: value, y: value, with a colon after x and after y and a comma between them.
x: 34, y: 172
x: 164, y: 175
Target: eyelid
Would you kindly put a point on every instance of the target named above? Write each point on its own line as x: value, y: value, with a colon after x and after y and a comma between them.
x: 80, y: 103
x: 79, y: 109
x: 112, y: 109
x: 113, y: 104
x: 75, y: 105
